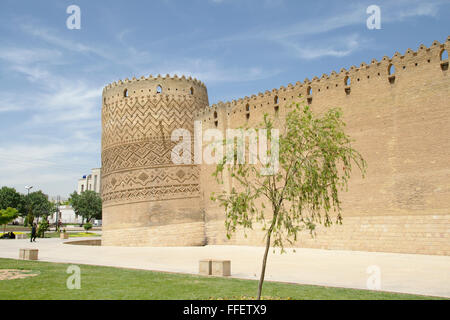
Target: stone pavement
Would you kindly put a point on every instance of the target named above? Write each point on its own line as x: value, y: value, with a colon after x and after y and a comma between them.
x: 408, y: 273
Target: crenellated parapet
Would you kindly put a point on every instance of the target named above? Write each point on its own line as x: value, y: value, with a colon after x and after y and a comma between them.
x: 165, y: 78
x: 154, y: 88
x: 387, y: 70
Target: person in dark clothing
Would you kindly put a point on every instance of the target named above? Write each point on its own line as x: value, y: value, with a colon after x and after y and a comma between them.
x: 33, y: 233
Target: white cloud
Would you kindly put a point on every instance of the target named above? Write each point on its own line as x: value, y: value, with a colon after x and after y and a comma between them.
x: 72, y: 46
x: 400, y: 10
x: 338, y: 47
x: 21, y: 56
x: 9, y: 104
x: 296, y: 38
x: 209, y: 70
x: 70, y: 105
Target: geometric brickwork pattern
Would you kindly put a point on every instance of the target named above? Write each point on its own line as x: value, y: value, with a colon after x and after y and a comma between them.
x: 151, y: 194
x: 151, y: 184
x: 136, y: 144
x: 146, y: 119
x: 137, y: 155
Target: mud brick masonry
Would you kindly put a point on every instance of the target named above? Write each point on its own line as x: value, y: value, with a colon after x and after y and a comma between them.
x: 397, y: 110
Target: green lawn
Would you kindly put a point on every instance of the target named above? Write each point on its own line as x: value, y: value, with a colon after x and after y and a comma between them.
x: 116, y: 283
x: 72, y: 234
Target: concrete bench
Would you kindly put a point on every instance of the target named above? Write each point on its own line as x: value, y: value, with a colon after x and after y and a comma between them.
x: 204, y: 267
x: 28, y: 254
x: 221, y: 268
x: 22, y: 236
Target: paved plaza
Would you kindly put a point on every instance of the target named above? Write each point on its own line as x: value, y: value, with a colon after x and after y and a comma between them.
x: 407, y: 273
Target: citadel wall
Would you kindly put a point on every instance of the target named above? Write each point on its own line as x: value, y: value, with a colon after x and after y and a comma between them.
x: 400, y: 121
x: 147, y: 200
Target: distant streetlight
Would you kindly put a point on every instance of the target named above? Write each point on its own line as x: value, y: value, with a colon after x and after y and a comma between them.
x: 28, y: 198
x: 28, y: 188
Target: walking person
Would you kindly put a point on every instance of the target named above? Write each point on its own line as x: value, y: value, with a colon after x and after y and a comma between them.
x: 33, y: 233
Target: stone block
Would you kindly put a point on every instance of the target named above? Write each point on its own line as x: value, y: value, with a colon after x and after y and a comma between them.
x: 28, y: 254
x: 204, y: 267
x: 221, y: 268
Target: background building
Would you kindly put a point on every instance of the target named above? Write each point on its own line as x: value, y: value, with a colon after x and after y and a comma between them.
x: 90, y: 181
x: 66, y: 215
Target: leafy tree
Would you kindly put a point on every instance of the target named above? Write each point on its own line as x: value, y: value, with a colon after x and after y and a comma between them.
x: 39, y: 205
x: 9, y: 198
x: 23, y: 207
x: 88, y: 204
x: 6, y: 216
x: 314, y: 165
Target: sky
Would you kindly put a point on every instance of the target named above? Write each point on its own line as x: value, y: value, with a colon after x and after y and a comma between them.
x: 51, y: 77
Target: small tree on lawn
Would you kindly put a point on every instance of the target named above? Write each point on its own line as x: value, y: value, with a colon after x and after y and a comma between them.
x: 42, y: 228
x: 6, y: 216
x: 314, y: 165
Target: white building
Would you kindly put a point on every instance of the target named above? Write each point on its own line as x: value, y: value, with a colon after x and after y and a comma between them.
x: 67, y: 215
x: 90, y: 181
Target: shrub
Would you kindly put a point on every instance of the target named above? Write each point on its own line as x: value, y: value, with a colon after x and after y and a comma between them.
x: 87, y: 226
x: 43, y: 227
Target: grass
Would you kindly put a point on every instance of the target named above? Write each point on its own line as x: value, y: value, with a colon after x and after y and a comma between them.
x: 116, y: 283
x: 72, y: 234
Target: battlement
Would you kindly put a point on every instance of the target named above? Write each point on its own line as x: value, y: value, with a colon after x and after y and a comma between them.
x: 167, y: 77
x: 387, y: 69
x: 155, y: 88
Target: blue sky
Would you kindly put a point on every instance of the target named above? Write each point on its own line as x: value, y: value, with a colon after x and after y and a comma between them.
x: 51, y: 78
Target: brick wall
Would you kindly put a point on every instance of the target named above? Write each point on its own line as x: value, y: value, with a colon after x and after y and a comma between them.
x: 400, y: 121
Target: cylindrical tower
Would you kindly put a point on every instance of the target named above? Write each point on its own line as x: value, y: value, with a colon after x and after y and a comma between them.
x: 148, y: 200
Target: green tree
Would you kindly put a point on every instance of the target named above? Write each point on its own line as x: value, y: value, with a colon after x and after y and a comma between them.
x: 6, y: 216
x: 88, y: 204
x: 9, y: 198
x: 314, y: 165
x: 23, y: 205
x: 39, y: 205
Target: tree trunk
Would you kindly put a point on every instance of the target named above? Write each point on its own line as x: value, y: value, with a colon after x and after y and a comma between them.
x: 266, y: 252
x: 263, y: 270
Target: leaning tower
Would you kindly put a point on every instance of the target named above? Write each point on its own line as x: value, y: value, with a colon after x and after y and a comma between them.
x: 148, y: 200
